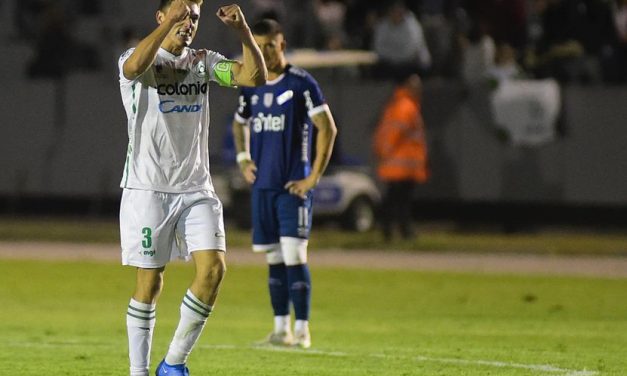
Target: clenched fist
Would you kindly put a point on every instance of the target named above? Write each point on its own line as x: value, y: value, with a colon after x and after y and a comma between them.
x: 178, y: 11
x: 232, y: 16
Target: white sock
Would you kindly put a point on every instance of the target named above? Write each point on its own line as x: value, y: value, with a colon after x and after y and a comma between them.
x: 301, y: 325
x: 194, y: 314
x: 282, y: 324
x: 140, y: 324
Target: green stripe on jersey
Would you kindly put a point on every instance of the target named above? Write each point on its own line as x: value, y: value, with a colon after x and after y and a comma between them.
x: 128, y: 161
x: 134, y: 106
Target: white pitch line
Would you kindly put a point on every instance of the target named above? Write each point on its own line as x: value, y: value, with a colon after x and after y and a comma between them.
x: 490, y: 363
x: 493, y: 363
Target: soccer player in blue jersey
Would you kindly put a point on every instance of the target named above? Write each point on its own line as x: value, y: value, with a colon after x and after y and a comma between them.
x: 273, y: 129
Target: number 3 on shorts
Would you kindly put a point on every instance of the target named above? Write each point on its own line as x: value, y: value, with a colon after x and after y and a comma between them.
x: 147, y: 242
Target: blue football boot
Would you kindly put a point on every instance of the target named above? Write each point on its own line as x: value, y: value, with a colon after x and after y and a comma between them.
x: 164, y: 369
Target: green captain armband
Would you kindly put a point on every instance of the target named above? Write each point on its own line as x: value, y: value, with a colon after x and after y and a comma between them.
x: 223, y: 74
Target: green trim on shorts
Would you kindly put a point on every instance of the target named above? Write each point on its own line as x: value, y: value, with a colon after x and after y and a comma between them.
x: 129, y: 151
x: 223, y: 73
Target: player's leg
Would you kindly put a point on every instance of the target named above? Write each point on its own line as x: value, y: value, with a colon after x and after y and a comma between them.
x: 200, y: 231
x: 266, y: 240
x: 210, y: 270
x: 146, y: 240
x: 196, y: 308
x: 141, y: 318
x: 279, y: 297
x: 295, y: 217
x: 299, y: 285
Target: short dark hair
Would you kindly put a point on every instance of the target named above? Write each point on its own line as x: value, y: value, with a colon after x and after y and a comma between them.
x: 267, y: 26
x: 163, y: 4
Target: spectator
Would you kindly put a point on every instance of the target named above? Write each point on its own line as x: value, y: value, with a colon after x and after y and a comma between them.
x: 437, y: 20
x: 505, y: 66
x: 400, y: 43
x: 361, y: 20
x: 478, y: 52
x: 575, y: 35
x: 506, y: 20
x: 400, y: 148
x: 331, y: 15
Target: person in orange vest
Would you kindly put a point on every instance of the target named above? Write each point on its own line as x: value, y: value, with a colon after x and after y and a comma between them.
x: 400, y: 148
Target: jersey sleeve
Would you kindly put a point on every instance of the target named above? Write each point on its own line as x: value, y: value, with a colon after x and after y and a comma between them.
x: 314, y: 100
x: 243, y: 110
x: 146, y: 78
x: 125, y: 55
x: 220, y: 68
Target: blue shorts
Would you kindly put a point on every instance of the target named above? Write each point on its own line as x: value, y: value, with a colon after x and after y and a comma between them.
x: 277, y: 213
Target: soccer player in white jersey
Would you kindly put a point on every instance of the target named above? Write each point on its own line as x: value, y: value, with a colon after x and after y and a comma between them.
x: 273, y: 132
x: 169, y: 209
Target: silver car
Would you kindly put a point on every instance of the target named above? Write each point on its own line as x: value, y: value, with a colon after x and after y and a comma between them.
x: 347, y: 195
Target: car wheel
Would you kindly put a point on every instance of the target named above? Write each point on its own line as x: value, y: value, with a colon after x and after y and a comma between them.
x: 360, y: 215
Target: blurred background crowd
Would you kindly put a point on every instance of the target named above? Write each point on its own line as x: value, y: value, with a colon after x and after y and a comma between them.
x: 571, y: 40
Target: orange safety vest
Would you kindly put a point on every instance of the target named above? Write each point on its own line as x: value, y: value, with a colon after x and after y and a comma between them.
x: 399, y: 140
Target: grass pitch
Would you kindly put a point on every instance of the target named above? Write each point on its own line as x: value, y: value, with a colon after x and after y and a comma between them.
x: 68, y: 319
x: 431, y: 238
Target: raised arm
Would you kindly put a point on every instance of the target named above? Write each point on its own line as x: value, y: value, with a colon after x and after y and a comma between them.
x: 144, y: 54
x: 251, y: 71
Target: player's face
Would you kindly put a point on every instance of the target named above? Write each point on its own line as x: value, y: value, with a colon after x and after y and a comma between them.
x: 273, y: 49
x: 184, y: 32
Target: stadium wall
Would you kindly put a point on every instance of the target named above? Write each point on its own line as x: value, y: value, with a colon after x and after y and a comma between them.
x: 68, y: 139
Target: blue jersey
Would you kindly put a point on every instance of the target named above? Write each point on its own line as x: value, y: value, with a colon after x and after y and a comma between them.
x: 278, y: 114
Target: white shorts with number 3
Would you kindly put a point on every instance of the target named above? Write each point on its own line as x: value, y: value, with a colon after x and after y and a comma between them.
x: 157, y: 227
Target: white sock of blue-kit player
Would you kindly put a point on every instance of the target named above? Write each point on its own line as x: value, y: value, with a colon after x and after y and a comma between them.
x: 301, y: 325
x: 282, y: 324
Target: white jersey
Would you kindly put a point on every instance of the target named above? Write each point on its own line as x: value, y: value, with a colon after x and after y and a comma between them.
x: 168, y: 121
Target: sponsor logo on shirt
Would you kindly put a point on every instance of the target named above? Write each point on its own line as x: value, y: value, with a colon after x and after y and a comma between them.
x: 268, y: 123
x: 200, y: 69
x: 308, y: 101
x: 170, y: 106
x: 182, y: 89
x: 284, y: 97
x: 267, y: 99
x: 304, y: 146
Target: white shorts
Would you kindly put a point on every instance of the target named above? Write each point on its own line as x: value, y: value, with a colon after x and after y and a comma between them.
x: 157, y: 227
